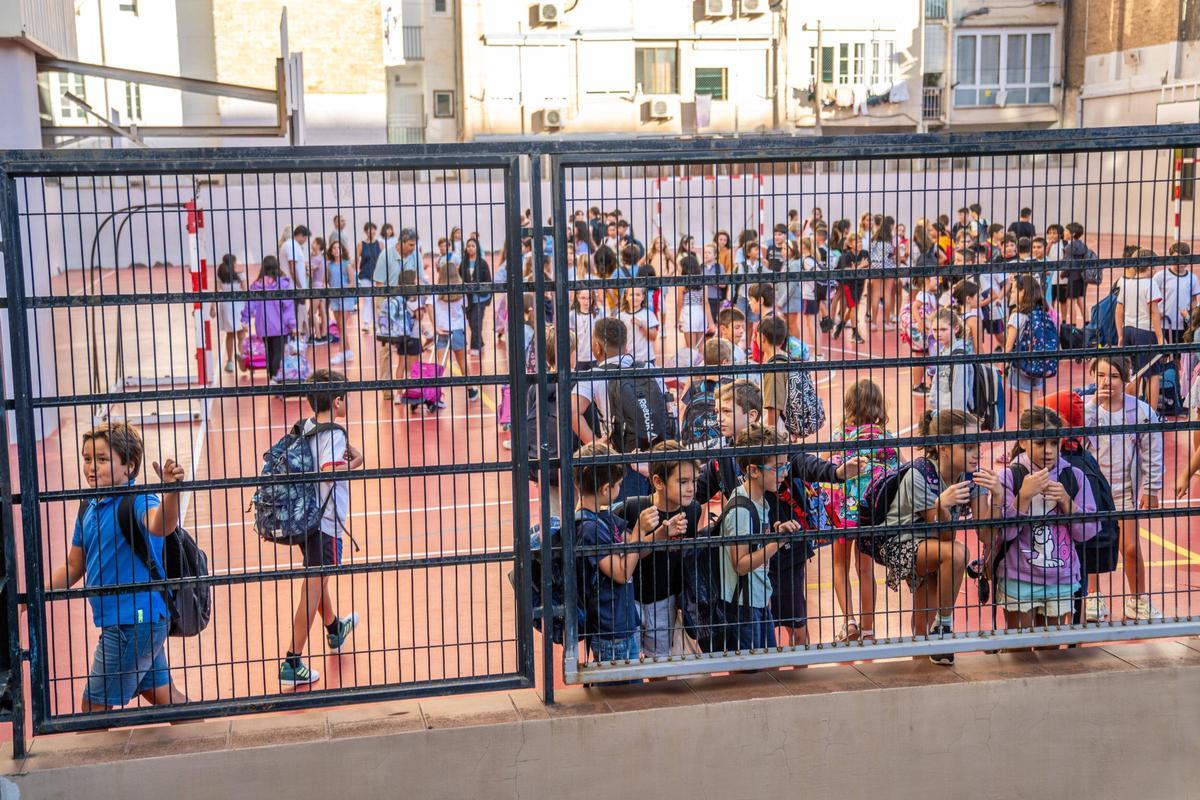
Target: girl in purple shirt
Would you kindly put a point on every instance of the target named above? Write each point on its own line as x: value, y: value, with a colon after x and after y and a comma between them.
x: 1036, y: 568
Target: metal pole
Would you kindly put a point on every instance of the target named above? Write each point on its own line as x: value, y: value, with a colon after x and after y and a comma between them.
x: 818, y: 67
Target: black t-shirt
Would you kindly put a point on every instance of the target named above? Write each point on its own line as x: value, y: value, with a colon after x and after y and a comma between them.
x: 777, y: 257
x: 659, y: 575
x: 1023, y: 229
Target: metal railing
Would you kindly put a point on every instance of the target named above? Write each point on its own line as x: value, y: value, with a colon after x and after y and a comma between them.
x: 935, y: 9
x: 933, y: 102
x: 448, y: 582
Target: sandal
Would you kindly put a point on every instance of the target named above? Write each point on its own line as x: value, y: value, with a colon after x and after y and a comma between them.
x: 846, y: 636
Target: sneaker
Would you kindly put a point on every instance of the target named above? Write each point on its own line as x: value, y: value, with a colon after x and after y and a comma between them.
x: 1140, y: 608
x: 229, y: 365
x: 345, y: 628
x: 837, y: 330
x: 857, y: 339
x: 299, y: 675
x: 333, y: 339
x: 473, y: 393
x: 921, y: 388
x: 344, y: 357
x: 1095, y: 609
x: 943, y: 659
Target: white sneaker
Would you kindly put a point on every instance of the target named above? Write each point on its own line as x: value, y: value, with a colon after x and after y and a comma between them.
x: 342, y: 358
x: 1140, y: 608
x: 1095, y: 609
x: 229, y: 365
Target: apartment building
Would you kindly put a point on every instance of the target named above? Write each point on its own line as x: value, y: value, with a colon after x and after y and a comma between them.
x: 407, y: 71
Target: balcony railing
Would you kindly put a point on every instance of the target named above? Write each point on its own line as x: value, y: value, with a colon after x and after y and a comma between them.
x: 932, y: 103
x: 935, y: 9
x: 414, y: 47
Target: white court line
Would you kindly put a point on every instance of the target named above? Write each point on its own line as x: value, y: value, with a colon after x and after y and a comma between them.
x: 498, y: 504
x: 371, y: 559
x: 365, y: 422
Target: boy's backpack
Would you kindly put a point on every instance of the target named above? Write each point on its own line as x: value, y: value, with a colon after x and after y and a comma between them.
x: 878, y: 498
x: 1101, y: 329
x: 811, y: 506
x: 190, y: 604
x: 700, y: 422
x: 704, y: 612
x: 551, y: 433
x: 1038, y: 335
x: 987, y: 394
x: 394, y: 321
x: 1091, y: 275
x: 557, y: 609
x: 638, y: 416
x: 288, y: 513
x: 803, y: 412
x: 1100, y: 553
x: 1170, y: 398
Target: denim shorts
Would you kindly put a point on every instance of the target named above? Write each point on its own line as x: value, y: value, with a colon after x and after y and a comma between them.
x: 456, y: 339
x: 1018, y: 381
x: 626, y: 648
x: 129, y: 659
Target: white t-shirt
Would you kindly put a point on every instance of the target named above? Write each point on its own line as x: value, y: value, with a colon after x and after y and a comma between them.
x: 596, y: 391
x: 449, y: 315
x: 640, y: 345
x: 1136, y: 296
x: 294, y: 251
x: 1178, y: 293
x: 329, y: 450
x: 583, y: 324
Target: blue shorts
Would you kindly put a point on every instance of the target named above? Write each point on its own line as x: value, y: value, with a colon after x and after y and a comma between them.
x: 1018, y: 381
x: 129, y: 660
x: 456, y: 339
x: 751, y: 628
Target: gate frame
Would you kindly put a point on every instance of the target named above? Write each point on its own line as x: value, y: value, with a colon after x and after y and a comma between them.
x: 229, y: 161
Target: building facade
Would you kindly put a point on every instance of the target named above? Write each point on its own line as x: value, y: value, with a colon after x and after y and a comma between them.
x: 460, y: 70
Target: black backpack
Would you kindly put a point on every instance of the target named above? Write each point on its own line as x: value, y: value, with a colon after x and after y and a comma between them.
x: 190, y: 604
x: 1100, y: 553
x: 701, y: 423
x: 638, y: 416
x: 705, y: 616
x: 555, y: 609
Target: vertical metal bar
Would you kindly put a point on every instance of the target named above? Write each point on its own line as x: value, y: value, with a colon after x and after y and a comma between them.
x: 562, y: 344
x: 22, y: 387
x: 538, y: 250
x: 520, y: 446
x: 11, y: 619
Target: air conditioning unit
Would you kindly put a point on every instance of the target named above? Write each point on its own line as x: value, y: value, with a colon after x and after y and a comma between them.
x: 553, y: 118
x: 662, y: 108
x: 549, y: 13
x: 754, y: 6
x: 718, y: 8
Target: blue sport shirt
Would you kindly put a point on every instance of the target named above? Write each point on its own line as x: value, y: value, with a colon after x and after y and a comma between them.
x: 111, y: 561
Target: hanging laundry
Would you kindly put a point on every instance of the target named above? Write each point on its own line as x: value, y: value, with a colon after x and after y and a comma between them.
x: 844, y: 97
x: 898, y: 93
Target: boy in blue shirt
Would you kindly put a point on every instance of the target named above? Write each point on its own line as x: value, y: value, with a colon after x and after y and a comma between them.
x: 130, y: 656
x: 612, y: 630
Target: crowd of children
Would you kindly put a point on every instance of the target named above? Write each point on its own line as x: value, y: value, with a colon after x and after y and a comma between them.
x: 663, y: 575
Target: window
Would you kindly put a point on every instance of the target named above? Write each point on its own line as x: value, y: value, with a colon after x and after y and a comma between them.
x: 128, y: 5
x: 849, y: 65
x: 827, y: 71
x: 655, y: 70
x: 883, y: 57
x: 133, y: 102
x: 439, y: 7
x: 443, y: 104
x: 75, y: 85
x: 1002, y: 68
x: 713, y: 81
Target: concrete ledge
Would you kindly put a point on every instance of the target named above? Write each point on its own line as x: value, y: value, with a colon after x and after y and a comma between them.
x: 1093, y: 722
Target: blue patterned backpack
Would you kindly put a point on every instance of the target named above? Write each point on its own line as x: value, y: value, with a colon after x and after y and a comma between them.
x: 1038, y: 335
x: 288, y: 513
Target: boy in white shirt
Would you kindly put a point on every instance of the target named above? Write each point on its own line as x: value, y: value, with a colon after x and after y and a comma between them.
x: 323, y: 548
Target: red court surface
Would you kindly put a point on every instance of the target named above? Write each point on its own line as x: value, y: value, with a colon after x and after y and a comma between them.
x: 420, y: 621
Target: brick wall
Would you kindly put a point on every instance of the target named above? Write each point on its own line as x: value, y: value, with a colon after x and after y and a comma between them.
x: 341, y: 41
x: 1125, y: 24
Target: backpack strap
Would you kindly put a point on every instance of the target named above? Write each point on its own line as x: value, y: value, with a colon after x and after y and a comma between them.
x: 742, y: 592
x: 131, y: 531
